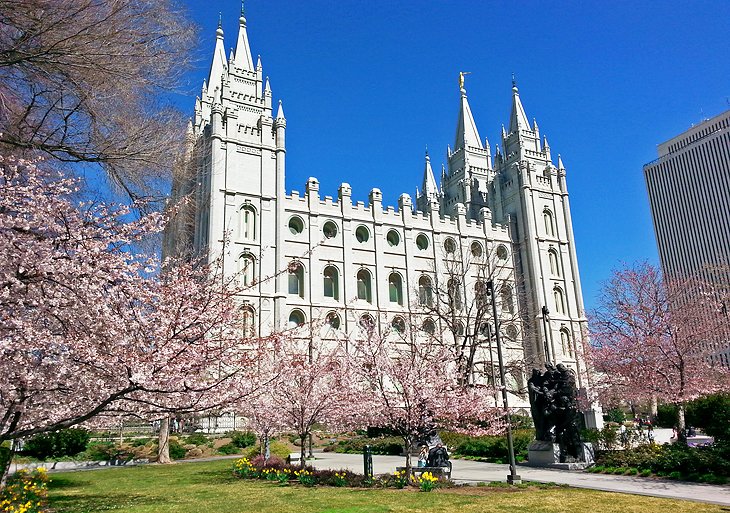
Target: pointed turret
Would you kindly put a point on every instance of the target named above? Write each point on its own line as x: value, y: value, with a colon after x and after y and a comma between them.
x: 243, y: 51
x: 280, y: 112
x: 560, y: 163
x: 466, y: 129
x: 258, y: 63
x: 546, y: 147
x: 218, y: 67
x: 429, y: 181
x: 517, y: 119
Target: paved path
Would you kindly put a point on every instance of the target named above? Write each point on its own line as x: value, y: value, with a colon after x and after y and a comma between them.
x: 465, y: 471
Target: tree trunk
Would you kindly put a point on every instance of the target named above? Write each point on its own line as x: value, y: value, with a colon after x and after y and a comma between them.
x: 6, y: 458
x: 407, y: 442
x: 680, y: 417
x: 163, y: 443
x: 267, y: 448
x: 654, y: 408
x: 303, y: 453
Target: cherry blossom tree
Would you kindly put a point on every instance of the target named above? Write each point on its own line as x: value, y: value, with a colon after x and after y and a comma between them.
x: 657, y: 337
x: 414, y: 389
x: 89, y: 327
x: 313, y: 387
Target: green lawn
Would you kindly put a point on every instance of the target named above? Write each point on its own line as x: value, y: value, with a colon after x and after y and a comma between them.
x: 209, y: 487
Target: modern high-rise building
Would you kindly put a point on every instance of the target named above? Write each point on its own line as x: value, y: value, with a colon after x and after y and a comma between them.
x: 354, y: 267
x: 689, y: 195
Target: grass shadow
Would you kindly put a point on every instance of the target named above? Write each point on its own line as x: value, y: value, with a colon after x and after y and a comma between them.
x: 92, y: 503
x: 60, y: 483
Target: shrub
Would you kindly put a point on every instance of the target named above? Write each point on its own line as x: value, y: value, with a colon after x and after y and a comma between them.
x: 197, y: 439
x: 675, y: 475
x: 229, y: 449
x: 712, y: 413
x: 25, y: 491
x: 139, y: 442
x: 177, y: 451
x: 389, y: 446
x: 615, y: 415
x: 494, y: 448
x: 66, y: 442
x: 242, y: 439
x: 667, y: 415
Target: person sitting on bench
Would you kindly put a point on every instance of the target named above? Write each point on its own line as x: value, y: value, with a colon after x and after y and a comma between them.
x: 438, y: 457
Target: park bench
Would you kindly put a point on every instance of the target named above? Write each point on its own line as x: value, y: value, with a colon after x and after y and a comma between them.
x: 436, y: 471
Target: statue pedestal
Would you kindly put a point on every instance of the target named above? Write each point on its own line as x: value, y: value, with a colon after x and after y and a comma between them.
x: 547, y: 454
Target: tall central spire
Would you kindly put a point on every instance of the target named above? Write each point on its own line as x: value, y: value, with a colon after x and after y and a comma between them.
x: 466, y: 129
x: 243, y: 51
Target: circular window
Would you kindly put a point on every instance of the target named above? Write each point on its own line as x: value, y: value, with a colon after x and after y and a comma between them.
x: 362, y: 234
x: 511, y: 333
x: 422, y: 242
x: 398, y: 324
x: 476, y: 250
x: 450, y: 245
x: 296, y: 225
x: 393, y: 238
x: 329, y: 229
x: 333, y: 320
x: 366, y: 322
x: 429, y: 327
x: 296, y: 318
x: 502, y: 253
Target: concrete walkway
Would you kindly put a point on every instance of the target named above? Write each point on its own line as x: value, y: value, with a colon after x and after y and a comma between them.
x: 465, y: 471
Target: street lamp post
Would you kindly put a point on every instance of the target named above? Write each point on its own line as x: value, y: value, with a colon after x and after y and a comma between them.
x: 512, y: 477
x: 545, y: 315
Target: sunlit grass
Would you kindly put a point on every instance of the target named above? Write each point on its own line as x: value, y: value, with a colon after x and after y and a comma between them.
x: 209, y: 487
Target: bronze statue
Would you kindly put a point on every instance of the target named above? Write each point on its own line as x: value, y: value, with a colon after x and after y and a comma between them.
x: 554, y: 408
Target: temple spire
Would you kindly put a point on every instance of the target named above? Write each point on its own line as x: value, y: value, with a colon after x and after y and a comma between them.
x: 218, y: 67
x: 518, y: 119
x: 466, y: 129
x: 430, y: 189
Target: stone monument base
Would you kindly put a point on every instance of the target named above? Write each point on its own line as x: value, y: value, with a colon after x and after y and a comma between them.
x: 547, y: 454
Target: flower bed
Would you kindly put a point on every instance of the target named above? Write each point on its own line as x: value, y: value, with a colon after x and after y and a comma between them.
x: 25, y: 492
x: 276, y: 470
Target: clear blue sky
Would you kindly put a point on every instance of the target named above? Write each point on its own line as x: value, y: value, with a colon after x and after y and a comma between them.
x: 366, y: 85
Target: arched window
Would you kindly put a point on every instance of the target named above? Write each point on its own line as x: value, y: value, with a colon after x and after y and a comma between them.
x: 247, y: 270
x: 549, y: 226
x: 331, y: 283
x: 508, y: 304
x: 511, y: 333
x: 296, y: 319
x: 248, y: 317
x: 395, y: 288
x: 454, y: 291
x: 296, y: 279
x: 425, y: 291
x: 363, y: 286
x: 248, y: 223
x: 554, y: 264
x: 565, y: 342
x: 559, y: 301
x: 458, y: 329
x: 476, y: 250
